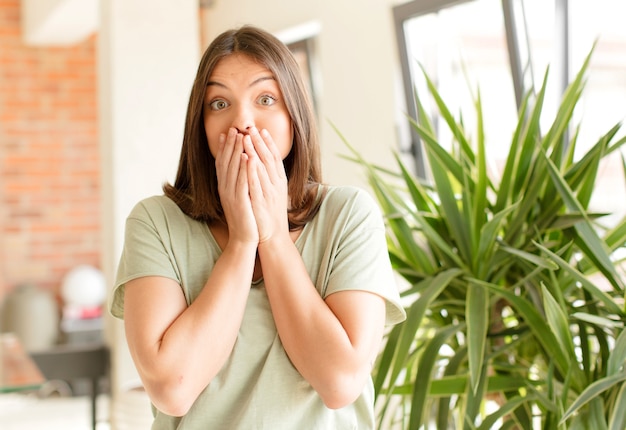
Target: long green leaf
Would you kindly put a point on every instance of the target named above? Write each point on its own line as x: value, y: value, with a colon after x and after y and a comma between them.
x: 597, y: 320
x: 530, y: 137
x: 401, y: 229
x: 434, y: 239
x: 447, y: 386
x: 597, y: 420
x: 478, y: 200
x: 597, y: 293
x: 531, y: 258
x: 452, y: 370
x: 474, y: 401
x: 505, y: 195
x: 583, y: 174
x: 459, y: 226
x: 452, y: 166
x: 477, y: 318
x: 385, y: 359
x: 589, y: 239
x: 417, y: 192
x: 511, y: 404
x: 618, y: 416
x: 593, y: 390
x: 569, y: 101
x: 415, y: 316
x: 424, y: 375
x: 617, y: 359
x: 456, y: 130
x: 557, y: 321
x: 536, y: 322
x: 616, y: 237
x: 488, y: 242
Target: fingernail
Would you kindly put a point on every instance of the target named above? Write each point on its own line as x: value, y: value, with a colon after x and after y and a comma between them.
x: 222, y: 139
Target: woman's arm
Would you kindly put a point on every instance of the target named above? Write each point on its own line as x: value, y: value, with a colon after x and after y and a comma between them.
x: 332, y: 343
x: 177, y: 349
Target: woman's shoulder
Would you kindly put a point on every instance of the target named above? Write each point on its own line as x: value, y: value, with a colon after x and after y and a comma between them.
x: 155, y: 204
x: 157, y: 209
x: 349, y: 196
x: 347, y: 205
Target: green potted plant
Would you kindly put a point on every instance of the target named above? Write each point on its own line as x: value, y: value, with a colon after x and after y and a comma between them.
x: 515, y: 302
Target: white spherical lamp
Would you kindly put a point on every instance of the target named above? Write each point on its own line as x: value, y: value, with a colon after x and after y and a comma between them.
x: 84, y: 286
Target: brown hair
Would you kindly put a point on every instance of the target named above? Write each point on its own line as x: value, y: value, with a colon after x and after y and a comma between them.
x: 195, y: 187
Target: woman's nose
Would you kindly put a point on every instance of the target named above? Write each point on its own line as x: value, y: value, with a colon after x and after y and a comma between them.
x: 245, y: 130
x: 244, y: 120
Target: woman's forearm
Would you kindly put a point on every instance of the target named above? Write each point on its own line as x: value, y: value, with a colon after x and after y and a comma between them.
x: 333, y: 348
x: 178, y: 352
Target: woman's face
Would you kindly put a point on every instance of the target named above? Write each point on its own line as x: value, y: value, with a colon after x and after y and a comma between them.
x: 242, y: 94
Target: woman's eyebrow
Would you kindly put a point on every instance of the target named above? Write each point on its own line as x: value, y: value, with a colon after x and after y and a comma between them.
x: 215, y: 84
x: 253, y: 83
x: 261, y: 79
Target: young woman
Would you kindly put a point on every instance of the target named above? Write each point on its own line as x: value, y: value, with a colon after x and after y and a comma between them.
x: 254, y: 296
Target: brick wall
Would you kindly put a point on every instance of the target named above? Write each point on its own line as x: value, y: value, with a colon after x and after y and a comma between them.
x: 49, y: 158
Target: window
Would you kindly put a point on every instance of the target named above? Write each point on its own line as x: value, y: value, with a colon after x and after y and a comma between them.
x: 301, y: 41
x: 504, y: 48
x: 303, y: 52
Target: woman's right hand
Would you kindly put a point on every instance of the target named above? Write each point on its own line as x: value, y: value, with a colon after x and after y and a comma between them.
x: 232, y: 180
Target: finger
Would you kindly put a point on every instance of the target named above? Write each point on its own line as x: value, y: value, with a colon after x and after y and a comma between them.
x: 234, y: 164
x: 249, y: 147
x: 227, y: 148
x: 261, y: 147
x: 220, y: 150
x: 279, y: 175
x: 229, y: 165
x: 220, y: 147
x: 256, y: 166
x: 271, y: 145
x: 269, y: 154
x: 253, y: 176
x: 242, y: 176
x: 221, y: 166
x: 225, y: 152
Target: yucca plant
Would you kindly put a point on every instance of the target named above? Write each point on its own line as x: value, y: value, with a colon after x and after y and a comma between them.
x: 515, y: 296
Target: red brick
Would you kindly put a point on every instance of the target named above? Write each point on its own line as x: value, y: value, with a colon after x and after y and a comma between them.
x: 49, y: 157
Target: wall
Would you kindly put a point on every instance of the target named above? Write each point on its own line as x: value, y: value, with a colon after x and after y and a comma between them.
x: 49, y: 159
x: 148, y: 53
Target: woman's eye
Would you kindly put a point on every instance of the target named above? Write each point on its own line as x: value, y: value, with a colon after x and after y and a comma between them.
x: 218, y: 104
x: 267, y: 100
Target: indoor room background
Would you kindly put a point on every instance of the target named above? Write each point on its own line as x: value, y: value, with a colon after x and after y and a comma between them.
x: 93, y: 96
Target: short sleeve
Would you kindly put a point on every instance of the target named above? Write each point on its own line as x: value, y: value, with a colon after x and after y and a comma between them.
x: 145, y: 253
x: 361, y: 260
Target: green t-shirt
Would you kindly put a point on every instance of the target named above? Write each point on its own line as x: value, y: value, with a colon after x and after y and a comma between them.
x: 343, y: 248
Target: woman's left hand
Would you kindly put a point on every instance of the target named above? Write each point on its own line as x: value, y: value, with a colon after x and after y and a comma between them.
x: 267, y: 183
